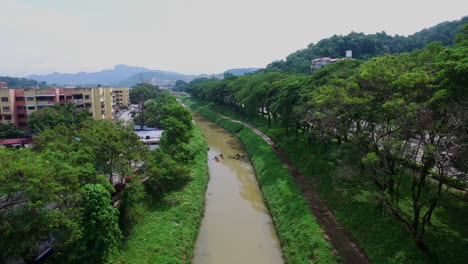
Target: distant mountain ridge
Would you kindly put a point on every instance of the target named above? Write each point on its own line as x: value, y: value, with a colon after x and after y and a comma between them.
x: 105, y: 77
x: 124, y: 76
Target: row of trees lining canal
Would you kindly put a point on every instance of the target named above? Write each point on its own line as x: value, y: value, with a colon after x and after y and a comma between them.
x: 59, y: 192
x: 406, y: 114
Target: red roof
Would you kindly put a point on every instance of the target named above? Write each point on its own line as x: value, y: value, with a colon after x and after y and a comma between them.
x: 15, y: 141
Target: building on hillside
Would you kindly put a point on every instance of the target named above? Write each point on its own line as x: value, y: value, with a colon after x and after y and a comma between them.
x: 3, y: 85
x: 17, y: 104
x: 320, y: 62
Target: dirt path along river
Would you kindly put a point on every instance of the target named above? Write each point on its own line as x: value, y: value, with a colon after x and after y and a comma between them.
x: 236, y: 227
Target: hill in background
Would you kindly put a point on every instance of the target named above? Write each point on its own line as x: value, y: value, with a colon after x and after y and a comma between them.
x: 105, y: 77
x: 366, y: 46
x: 160, y: 78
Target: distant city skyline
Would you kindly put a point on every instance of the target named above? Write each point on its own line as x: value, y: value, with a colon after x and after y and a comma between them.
x: 203, y: 36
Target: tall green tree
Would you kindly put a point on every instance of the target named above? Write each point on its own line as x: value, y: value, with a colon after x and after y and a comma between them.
x: 141, y: 93
x: 101, y: 232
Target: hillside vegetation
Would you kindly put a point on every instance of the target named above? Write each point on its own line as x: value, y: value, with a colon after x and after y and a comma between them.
x: 366, y: 46
x: 384, y: 141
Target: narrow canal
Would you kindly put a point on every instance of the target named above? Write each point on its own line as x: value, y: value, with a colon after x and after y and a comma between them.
x: 237, y: 227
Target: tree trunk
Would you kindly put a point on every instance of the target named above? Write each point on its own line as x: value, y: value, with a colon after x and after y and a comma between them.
x: 142, y: 115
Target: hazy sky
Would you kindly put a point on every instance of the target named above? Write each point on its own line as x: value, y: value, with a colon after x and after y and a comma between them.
x: 44, y: 36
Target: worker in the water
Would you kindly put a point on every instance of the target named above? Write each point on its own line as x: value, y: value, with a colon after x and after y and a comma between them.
x: 216, y: 158
x: 221, y: 155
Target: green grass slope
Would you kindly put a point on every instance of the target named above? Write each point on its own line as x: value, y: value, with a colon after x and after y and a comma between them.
x: 300, y: 236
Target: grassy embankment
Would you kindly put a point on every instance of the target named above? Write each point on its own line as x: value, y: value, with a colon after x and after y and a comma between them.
x: 168, y: 230
x: 300, y: 236
x: 334, y: 173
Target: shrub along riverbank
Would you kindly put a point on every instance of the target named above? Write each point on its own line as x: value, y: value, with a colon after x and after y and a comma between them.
x: 334, y: 171
x: 168, y: 230
x: 300, y: 236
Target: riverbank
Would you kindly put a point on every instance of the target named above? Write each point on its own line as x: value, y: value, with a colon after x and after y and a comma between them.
x: 168, y: 231
x: 353, y: 200
x: 302, y: 239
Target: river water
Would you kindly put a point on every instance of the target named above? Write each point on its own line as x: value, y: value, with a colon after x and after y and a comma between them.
x: 236, y: 227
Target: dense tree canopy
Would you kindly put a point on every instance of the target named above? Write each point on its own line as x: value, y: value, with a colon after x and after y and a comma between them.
x: 10, y: 131
x: 60, y: 190
x: 61, y: 113
x: 367, y: 46
x: 143, y: 92
x: 180, y: 86
x: 383, y: 106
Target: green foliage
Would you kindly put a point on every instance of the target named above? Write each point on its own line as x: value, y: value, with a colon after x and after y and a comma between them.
x: 365, y: 46
x: 180, y: 86
x: 166, y: 167
x: 131, y: 207
x: 30, y: 197
x: 334, y: 171
x: 101, y: 232
x: 60, y: 113
x: 10, y: 131
x: 168, y: 230
x: 107, y: 147
x: 143, y: 92
x: 164, y: 173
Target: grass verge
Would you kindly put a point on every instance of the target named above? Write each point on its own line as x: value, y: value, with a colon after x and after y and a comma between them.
x: 333, y: 172
x: 169, y: 229
x: 300, y: 236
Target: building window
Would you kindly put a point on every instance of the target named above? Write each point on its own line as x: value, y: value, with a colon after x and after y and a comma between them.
x: 7, y: 117
x: 21, y: 116
x: 40, y: 107
x: 20, y: 107
x: 30, y: 98
x: 19, y: 99
x: 86, y: 97
x: 31, y: 107
x: 4, y: 99
x: 6, y: 109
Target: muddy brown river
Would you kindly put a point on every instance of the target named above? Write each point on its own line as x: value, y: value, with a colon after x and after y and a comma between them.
x: 236, y: 227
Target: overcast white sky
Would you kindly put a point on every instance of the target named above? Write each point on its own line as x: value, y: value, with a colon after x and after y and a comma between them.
x: 44, y: 36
